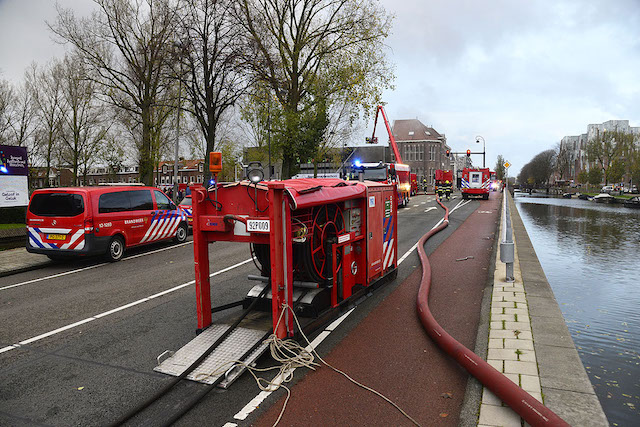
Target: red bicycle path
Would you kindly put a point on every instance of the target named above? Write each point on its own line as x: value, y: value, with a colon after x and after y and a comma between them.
x: 390, y: 352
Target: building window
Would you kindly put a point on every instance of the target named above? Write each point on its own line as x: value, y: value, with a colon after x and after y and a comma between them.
x: 432, y: 152
x: 200, y: 167
x: 420, y: 156
x: 199, y: 179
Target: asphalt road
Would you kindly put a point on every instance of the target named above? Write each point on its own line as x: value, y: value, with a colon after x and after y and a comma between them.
x: 90, y: 338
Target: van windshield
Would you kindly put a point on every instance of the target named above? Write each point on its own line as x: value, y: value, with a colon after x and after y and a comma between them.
x: 56, y: 204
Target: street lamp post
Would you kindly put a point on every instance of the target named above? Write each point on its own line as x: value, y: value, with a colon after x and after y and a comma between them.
x: 484, y: 151
x: 178, y: 47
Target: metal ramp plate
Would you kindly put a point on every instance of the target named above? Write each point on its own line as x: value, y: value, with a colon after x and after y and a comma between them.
x: 231, y: 349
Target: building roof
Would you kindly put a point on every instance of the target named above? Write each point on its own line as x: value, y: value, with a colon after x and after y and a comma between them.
x: 414, y: 130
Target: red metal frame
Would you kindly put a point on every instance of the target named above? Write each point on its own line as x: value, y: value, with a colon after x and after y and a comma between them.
x: 225, y: 213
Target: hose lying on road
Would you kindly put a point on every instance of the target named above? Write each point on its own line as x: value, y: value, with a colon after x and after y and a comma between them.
x: 530, y: 409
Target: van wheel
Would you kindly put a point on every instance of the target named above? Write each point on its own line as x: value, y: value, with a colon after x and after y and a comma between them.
x: 116, y: 249
x: 181, y: 233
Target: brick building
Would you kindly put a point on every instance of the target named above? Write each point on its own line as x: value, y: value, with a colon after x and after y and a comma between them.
x: 422, y: 148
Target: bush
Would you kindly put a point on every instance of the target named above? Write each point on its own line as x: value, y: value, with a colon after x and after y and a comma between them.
x: 13, y: 215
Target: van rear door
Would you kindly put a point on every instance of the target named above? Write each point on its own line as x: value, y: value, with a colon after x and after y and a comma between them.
x: 55, y: 220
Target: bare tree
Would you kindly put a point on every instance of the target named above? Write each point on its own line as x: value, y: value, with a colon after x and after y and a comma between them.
x: 310, y: 49
x: 210, y: 69
x: 564, y: 160
x: 45, y: 86
x: 125, y: 46
x: 7, y: 100
x: 83, y: 118
x: 24, y: 123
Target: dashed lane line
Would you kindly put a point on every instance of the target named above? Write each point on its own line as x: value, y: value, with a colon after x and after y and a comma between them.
x: 90, y: 267
x: 115, y: 310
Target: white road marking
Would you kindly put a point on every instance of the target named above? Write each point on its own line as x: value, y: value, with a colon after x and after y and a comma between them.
x: 277, y: 380
x: 430, y: 209
x: 115, y: 310
x: 90, y: 267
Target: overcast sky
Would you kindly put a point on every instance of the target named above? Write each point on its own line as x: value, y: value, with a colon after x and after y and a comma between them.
x: 522, y: 74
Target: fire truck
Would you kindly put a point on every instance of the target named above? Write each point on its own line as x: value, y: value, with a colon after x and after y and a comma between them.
x: 397, y: 172
x: 475, y: 183
x: 441, y: 177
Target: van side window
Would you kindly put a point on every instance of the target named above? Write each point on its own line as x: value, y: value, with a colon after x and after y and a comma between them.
x: 162, y: 201
x: 114, y: 202
x: 141, y: 200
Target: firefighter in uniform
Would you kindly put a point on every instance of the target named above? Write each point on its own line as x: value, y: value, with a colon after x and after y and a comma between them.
x: 439, y: 189
x: 446, y: 189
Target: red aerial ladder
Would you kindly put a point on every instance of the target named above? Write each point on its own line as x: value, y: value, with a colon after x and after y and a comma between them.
x: 397, y: 172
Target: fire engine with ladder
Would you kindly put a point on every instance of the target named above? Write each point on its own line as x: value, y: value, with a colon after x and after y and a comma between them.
x: 317, y: 244
x: 395, y: 172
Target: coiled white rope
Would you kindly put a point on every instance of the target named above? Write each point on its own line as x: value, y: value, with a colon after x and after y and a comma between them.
x: 291, y: 355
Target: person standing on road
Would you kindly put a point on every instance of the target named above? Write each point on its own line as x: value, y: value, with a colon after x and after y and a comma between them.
x: 446, y: 188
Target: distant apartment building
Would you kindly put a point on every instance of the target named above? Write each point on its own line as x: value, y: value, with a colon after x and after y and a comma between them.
x: 576, y: 146
x: 189, y: 170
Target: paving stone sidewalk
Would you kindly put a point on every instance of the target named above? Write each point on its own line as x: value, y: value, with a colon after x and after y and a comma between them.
x: 17, y: 260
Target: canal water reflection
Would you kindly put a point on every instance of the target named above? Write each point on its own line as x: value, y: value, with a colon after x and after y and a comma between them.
x: 591, y: 256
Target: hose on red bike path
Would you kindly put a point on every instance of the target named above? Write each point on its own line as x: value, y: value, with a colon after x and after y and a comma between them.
x: 530, y: 409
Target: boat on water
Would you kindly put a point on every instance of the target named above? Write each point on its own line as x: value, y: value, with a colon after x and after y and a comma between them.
x: 633, y: 202
x: 604, y: 198
x: 583, y: 197
x: 567, y: 195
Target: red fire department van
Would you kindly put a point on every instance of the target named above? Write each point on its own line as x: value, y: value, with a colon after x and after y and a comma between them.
x: 66, y: 222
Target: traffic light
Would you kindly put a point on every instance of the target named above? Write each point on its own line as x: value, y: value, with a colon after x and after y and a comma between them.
x: 447, y: 153
x: 468, y: 153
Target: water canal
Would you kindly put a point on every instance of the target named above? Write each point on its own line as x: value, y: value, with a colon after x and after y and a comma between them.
x: 591, y: 256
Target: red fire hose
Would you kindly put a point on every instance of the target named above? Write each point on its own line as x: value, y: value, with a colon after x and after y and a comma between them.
x: 530, y: 409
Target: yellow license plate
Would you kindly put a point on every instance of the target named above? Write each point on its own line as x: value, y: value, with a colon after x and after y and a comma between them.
x: 56, y: 237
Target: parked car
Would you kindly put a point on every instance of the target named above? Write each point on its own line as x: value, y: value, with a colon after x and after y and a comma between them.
x: 606, y: 189
x: 69, y: 222
x: 187, y: 207
x: 632, y: 190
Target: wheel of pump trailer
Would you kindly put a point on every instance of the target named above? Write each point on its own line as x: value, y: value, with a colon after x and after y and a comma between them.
x: 182, y: 233
x: 115, y: 251
x: 261, y: 258
x: 328, y: 222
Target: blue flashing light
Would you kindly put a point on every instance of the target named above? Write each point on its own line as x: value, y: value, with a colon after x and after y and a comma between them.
x: 212, y: 181
x: 4, y: 169
x: 357, y: 163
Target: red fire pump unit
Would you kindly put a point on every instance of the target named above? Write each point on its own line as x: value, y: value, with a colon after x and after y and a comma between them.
x: 328, y: 239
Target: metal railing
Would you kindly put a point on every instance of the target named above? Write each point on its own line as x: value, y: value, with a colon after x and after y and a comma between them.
x: 507, y: 250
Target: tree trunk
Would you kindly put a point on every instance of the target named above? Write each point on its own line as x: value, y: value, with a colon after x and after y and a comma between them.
x: 146, y: 162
